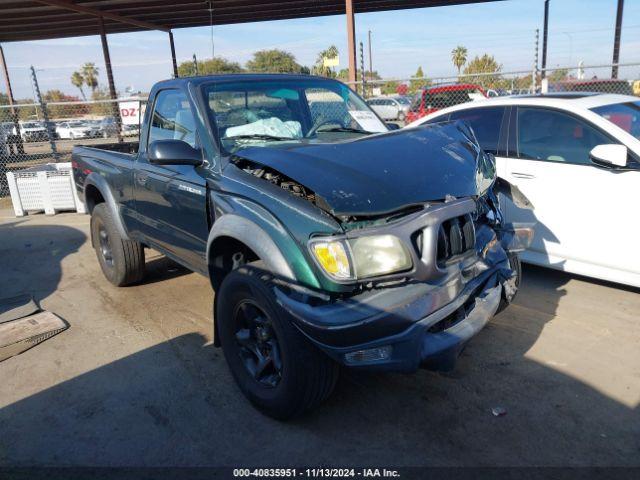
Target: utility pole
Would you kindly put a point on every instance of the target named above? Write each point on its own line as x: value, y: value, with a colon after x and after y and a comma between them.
x: 12, y: 139
x: 370, y: 58
x: 45, y: 114
x: 544, y: 38
x: 616, y: 40
x: 112, y: 86
x: 534, y: 74
x: 362, y: 70
x: 351, y: 43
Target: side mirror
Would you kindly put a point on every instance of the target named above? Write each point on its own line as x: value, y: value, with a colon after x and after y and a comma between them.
x: 392, y: 126
x: 173, y: 152
x: 609, y: 155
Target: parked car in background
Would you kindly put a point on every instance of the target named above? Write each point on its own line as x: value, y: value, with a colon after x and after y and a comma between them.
x: 431, y: 99
x: 108, y: 127
x: 520, y: 91
x: 497, y: 92
x: 576, y: 157
x: 390, y: 108
x: 76, y: 129
x: 323, y: 249
x: 130, y: 130
x: 607, y: 85
x: 32, y: 131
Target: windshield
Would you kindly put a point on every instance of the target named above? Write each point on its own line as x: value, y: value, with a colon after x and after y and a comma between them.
x: 76, y: 124
x: 403, y: 100
x: 624, y: 115
x: 30, y: 125
x: 290, y: 110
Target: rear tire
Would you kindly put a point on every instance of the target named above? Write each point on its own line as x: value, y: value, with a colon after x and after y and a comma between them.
x: 298, y: 376
x: 122, y: 261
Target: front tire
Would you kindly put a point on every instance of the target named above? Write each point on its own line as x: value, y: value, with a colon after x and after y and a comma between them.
x: 276, y: 367
x: 122, y: 261
x: 515, y: 265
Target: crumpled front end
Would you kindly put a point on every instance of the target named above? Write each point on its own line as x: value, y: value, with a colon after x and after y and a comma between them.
x: 424, y: 317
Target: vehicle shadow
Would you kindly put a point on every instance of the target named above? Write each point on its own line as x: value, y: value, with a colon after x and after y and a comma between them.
x: 175, y: 404
x: 161, y: 268
x: 37, y: 249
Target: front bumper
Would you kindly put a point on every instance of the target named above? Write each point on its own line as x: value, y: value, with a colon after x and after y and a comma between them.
x: 404, y: 328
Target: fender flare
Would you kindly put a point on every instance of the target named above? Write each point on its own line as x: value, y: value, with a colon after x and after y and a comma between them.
x: 254, y: 237
x: 97, y: 181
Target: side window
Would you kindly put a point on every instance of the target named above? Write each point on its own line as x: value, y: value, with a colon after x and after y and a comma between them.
x: 555, y: 136
x: 438, y: 119
x: 485, y: 123
x: 326, y: 105
x: 172, y: 118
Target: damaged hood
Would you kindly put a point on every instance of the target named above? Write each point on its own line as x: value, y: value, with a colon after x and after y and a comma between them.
x: 384, y: 173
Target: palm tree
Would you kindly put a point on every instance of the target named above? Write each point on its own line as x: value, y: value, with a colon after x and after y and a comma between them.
x: 320, y: 68
x: 459, y: 57
x: 78, y: 81
x: 90, y: 74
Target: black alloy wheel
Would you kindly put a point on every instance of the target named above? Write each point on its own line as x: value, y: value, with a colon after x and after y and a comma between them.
x: 257, y: 343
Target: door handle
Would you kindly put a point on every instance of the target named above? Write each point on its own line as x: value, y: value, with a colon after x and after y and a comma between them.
x: 522, y: 175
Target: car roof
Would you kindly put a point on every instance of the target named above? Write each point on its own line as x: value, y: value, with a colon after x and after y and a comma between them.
x: 565, y: 101
x: 240, y: 77
x: 451, y: 87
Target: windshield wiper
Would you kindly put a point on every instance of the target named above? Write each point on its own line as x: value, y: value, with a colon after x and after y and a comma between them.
x: 343, y: 129
x: 258, y: 136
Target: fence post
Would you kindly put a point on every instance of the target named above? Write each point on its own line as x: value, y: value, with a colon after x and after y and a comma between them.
x: 45, y: 116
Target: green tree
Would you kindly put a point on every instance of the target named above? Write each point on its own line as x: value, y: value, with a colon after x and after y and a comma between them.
x: 90, y: 74
x: 63, y: 111
x: 459, y: 57
x: 415, y: 85
x: 558, y: 75
x: 319, y: 68
x: 389, y: 88
x: 485, y: 64
x: 208, y: 67
x: 77, y: 80
x: 273, y: 61
x: 343, y: 74
x: 105, y: 107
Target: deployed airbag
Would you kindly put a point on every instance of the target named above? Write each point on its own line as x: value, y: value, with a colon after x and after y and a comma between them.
x: 268, y: 126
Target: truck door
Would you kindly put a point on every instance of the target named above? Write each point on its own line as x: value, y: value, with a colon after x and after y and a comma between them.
x: 171, y: 199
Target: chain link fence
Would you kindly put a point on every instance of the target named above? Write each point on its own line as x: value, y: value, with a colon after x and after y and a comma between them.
x: 428, y: 95
x: 26, y: 139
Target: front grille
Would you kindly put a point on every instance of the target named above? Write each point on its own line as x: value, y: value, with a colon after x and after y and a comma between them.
x: 456, y: 236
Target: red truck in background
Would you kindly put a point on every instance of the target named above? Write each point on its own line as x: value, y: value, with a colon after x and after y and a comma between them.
x: 431, y: 99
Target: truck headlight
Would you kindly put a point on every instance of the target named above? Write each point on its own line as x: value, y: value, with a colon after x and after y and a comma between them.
x: 379, y: 255
x: 363, y: 257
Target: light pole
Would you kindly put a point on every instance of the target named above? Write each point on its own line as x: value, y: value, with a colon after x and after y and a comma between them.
x: 370, y: 59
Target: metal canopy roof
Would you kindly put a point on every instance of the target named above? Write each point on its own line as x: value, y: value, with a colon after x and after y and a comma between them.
x: 47, y: 19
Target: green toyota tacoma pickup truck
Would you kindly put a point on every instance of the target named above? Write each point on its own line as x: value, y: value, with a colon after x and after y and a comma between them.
x: 330, y: 239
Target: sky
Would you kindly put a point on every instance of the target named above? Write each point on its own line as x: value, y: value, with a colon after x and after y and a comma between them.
x: 579, y: 30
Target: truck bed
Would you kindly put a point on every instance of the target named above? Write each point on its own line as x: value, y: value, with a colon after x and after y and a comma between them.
x: 122, y: 147
x: 113, y: 161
